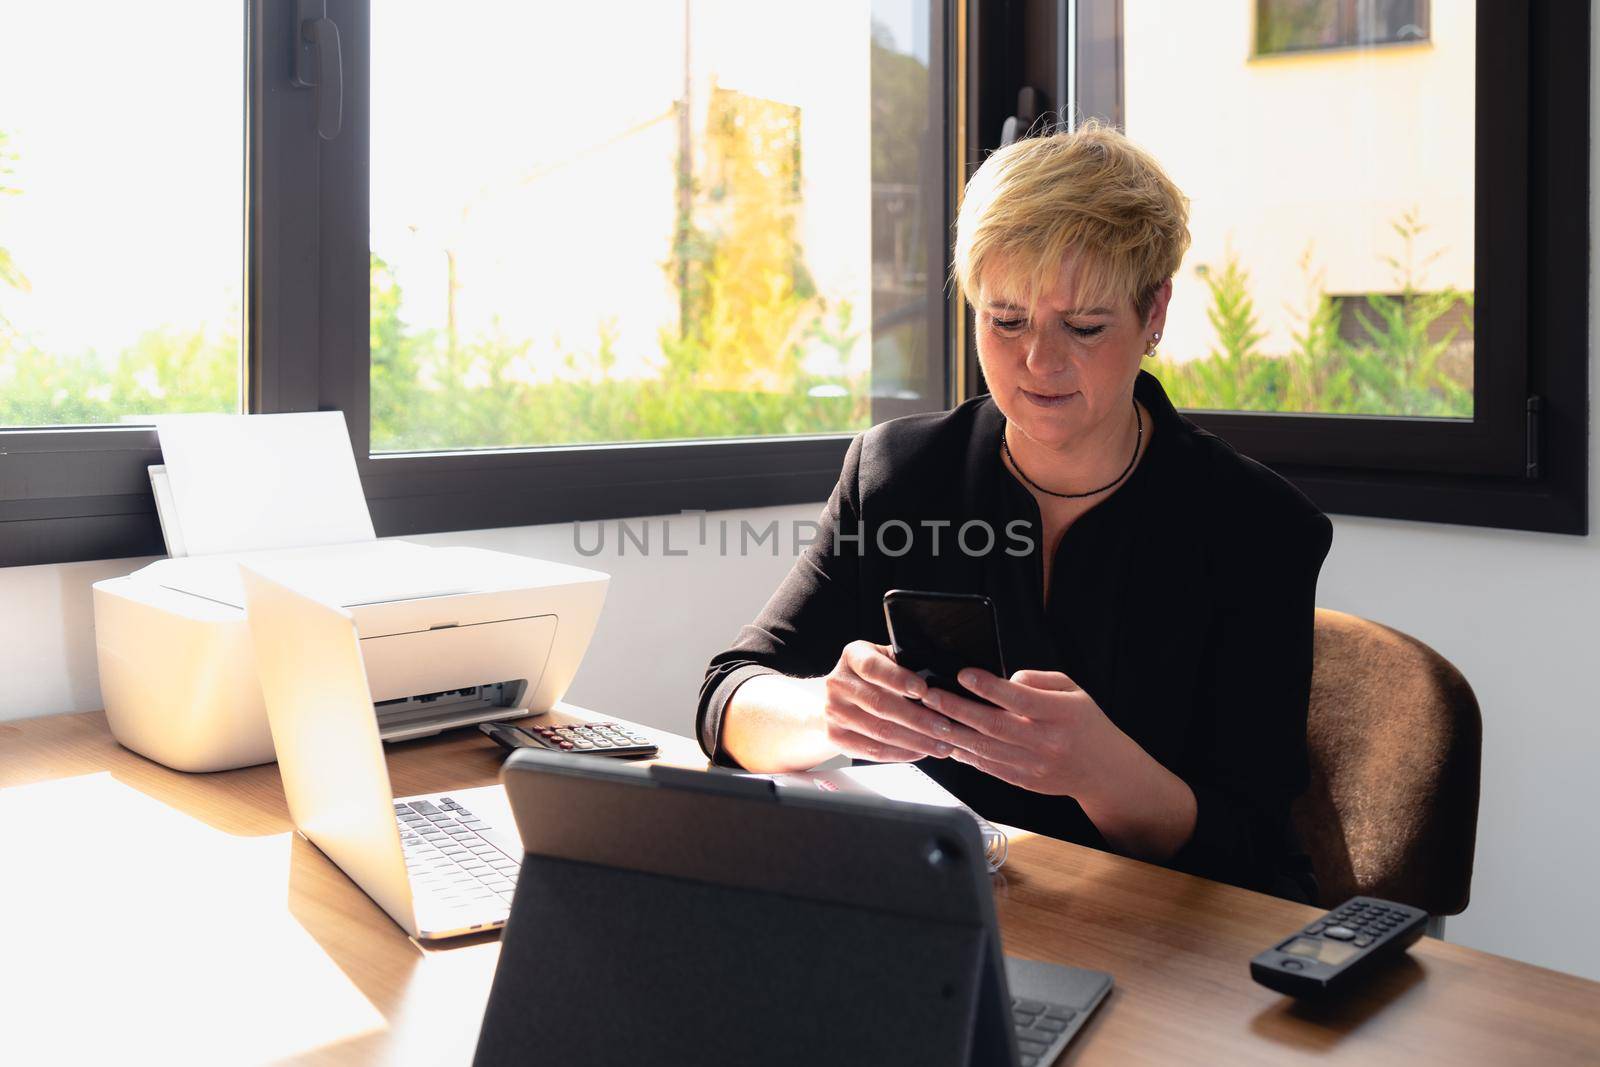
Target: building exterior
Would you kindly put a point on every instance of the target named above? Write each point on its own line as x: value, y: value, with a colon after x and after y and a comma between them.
x: 1301, y: 161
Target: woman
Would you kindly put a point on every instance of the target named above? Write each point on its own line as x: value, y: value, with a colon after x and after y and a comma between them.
x: 1156, y: 586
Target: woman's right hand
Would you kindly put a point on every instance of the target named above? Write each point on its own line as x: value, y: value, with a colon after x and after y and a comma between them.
x: 873, y: 710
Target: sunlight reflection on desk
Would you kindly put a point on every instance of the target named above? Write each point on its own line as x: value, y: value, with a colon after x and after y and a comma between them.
x: 151, y: 905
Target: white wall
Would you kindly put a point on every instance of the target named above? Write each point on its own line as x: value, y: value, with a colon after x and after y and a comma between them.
x: 1516, y: 612
x: 47, y: 637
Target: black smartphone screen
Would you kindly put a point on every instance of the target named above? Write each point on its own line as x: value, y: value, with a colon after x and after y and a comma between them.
x: 937, y: 634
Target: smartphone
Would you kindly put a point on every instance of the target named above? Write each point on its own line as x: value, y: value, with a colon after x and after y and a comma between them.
x: 937, y: 634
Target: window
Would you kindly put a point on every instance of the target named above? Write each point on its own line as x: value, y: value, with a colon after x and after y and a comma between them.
x: 687, y: 254
x: 673, y: 299
x: 1386, y: 297
x: 121, y: 213
x: 1309, y: 205
x: 548, y: 271
x: 1316, y: 25
x: 409, y: 268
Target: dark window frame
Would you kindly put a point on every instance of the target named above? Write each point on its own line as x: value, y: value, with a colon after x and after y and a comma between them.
x: 82, y: 493
x: 1523, y: 461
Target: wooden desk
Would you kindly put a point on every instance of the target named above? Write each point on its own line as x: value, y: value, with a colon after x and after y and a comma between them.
x: 154, y: 916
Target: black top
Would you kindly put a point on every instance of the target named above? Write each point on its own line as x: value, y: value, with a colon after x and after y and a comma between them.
x: 1182, y: 603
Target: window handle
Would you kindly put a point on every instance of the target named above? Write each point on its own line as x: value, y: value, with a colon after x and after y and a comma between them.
x: 1018, y: 126
x: 318, y: 64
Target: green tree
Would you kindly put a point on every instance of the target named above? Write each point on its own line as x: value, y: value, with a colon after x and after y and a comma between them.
x: 169, y: 371
x: 11, y: 275
x: 165, y: 371
x: 1319, y: 375
x: 396, y: 363
x: 750, y: 283
x: 1398, y: 366
x: 1233, y: 376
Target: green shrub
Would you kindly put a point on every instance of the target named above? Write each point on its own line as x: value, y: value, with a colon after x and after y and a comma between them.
x: 1394, y: 368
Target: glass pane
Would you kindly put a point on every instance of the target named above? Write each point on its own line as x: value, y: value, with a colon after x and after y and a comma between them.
x: 1302, y: 25
x: 121, y: 221
x: 707, y: 226
x: 1288, y: 25
x: 1331, y: 200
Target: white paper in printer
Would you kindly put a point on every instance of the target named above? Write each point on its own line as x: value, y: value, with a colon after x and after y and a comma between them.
x: 243, y: 483
x: 346, y: 575
x: 895, y: 781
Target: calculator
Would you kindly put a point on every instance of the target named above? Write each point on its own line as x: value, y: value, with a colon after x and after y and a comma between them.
x: 590, y: 738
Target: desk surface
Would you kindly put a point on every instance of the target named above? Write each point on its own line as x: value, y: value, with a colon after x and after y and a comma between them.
x: 175, y: 916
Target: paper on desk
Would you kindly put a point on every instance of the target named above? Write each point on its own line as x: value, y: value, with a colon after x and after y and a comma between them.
x: 242, y: 483
x: 894, y: 781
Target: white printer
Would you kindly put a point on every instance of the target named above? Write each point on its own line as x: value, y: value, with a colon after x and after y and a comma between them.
x: 450, y: 636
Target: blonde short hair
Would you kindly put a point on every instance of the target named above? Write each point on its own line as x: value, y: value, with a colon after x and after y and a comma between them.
x: 1090, y: 193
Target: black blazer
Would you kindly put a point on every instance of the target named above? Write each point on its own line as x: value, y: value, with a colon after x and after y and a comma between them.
x: 1183, y: 603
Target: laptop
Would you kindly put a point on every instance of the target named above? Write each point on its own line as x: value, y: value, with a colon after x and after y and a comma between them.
x: 437, y: 869
x: 676, y: 917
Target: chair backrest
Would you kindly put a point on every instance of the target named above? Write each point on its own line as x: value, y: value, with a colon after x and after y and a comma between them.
x: 1395, y: 741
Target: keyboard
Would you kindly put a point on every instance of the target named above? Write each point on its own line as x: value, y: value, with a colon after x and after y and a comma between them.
x: 449, y: 859
x: 1043, y: 1030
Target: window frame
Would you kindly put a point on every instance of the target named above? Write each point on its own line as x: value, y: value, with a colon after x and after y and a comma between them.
x: 81, y: 493
x: 1522, y: 462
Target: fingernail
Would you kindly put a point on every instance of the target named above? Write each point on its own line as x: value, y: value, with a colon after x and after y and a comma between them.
x: 943, y: 749
x: 967, y: 678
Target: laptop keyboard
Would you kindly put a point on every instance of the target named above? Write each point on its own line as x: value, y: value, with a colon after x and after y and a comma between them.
x: 447, y: 857
x: 1042, y: 1029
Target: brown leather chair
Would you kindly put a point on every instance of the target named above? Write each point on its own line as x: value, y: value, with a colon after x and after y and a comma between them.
x: 1395, y: 739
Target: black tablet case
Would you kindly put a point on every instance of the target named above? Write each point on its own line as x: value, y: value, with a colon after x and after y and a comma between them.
x: 677, y: 917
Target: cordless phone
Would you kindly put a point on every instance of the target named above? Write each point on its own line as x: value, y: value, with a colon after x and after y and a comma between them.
x: 1335, y: 952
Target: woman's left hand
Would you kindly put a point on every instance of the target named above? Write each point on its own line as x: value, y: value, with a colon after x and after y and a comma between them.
x: 1045, y: 734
